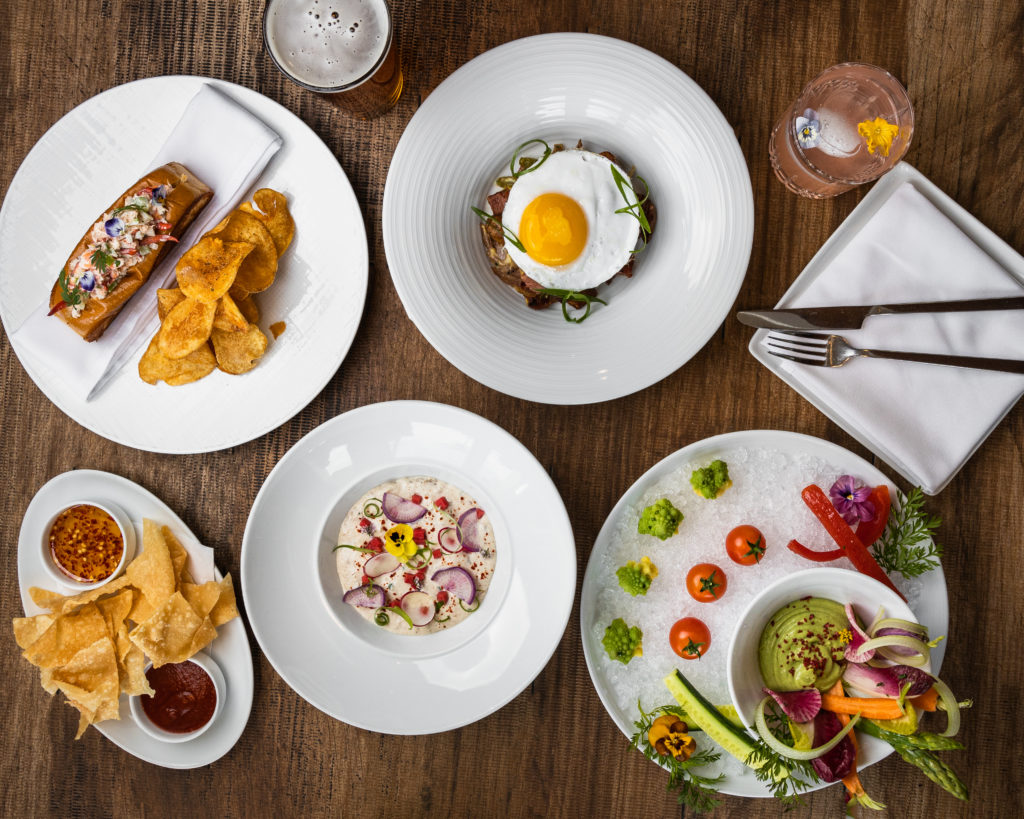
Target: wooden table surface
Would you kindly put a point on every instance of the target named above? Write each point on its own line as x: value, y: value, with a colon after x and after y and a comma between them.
x: 553, y: 750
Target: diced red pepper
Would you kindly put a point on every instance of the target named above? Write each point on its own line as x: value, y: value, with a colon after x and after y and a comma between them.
x: 797, y: 548
x: 442, y: 596
x: 417, y: 499
x: 441, y: 503
x: 419, y: 534
x: 366, y: 580
x: 409, y: 578
x: 479, y: 513
x: 868, y: 531
x: 437, y: 553
x: 376, y: 544
x: 163, y: 227
x: 160, y: 237
x: 364, y: 524
x: 422, y: 573
x: 820, y: 504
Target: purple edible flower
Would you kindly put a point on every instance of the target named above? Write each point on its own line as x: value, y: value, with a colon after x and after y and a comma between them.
x: 160, y: 192
x: 87, y: 282
x: 113, y: 226
x: 808, y: 129
x: 850, y: 498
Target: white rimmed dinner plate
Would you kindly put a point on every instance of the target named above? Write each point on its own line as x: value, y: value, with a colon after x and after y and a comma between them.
x: 470, y: 670
x: 615, y: 96
x: 769, y: 468
x: 319, y: 291
x: 230, y: 649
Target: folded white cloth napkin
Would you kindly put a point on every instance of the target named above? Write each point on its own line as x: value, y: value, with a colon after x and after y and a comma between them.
x: 928, y: 418
x: 226, y: 147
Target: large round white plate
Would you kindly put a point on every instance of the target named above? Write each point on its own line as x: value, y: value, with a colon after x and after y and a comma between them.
x: 615, y: 96
x: 930, y: 603
x: 419, y: 687
x: 230, y: 650
x: 319, y: 292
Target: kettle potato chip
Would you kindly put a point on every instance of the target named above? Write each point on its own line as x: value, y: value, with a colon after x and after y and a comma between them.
x: 207, y: 270
x: 273, y: 212
x: 228, y: 317
x: 154, y: 366
x: 258, y: 269
x: 238, y: 353
x: 186, y: 328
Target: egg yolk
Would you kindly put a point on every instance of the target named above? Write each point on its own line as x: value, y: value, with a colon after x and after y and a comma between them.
x: 553, y: 229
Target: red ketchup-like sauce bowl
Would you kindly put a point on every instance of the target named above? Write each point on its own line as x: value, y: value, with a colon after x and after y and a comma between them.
x: 184, y: 700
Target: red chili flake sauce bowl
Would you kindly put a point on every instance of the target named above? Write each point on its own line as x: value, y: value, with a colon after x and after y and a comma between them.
x: 188, y: 697
x: 88, y: 544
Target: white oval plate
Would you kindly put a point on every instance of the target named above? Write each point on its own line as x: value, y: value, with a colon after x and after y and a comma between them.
x: 319, y: 292
x: 411, y: 685
x: 230, y: 650
x: 615, y: 96
x: 931, y: 608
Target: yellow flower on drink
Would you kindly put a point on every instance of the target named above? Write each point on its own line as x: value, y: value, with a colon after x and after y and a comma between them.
x: 879, y: 135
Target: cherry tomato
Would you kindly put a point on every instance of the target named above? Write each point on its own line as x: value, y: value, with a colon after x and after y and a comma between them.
x: 706, y: 582
x: 745, y: 545
x: 690, y: 638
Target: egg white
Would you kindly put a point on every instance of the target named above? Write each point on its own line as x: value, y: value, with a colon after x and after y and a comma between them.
x: 586, y: 178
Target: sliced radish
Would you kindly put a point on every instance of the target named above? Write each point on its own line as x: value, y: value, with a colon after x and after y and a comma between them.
x: 419, y: 606
x: 367, y: 597
x: 380, y: 564
x: 449, y: 539
x: 469, y: 532
x: 457, y: 581
x: 400, y: 510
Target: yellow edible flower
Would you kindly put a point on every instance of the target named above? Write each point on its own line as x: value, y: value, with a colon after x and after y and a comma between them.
x: 398, y: 541
x: 668, y: 736
x: 845, y: 635
x: 879, y: 134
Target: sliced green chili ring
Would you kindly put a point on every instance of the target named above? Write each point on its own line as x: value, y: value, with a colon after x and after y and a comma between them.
x: 532, y: 166
x: 354, y: 548
x: 509, y: 235
x: 380, y: 617
x: 420, y: 562
x: 476, y: 605
x: 398, y: 610
x: 373, y: 508
x: 442, y: 619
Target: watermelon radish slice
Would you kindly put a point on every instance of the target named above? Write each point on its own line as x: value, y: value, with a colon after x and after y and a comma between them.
x: 449, y: 539
x: 456, y: 581
x: 419, y: 606
x: 369, y: 596
x: 383, y: 563
x: 400, y: 510
x: 469, y: 532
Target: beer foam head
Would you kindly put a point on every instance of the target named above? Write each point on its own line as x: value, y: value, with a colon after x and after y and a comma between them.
x: 327, y: 43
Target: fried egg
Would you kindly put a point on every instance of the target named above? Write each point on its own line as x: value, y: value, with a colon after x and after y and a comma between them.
x: 564, y: 214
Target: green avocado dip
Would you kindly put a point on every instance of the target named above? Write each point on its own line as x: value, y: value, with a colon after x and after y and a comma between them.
x: 802, y: 645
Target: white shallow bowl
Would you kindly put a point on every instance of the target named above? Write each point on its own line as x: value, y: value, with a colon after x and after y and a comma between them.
x: 124, y: 524
x: 841, y: 585
x: 561, y: 88
x: 219, y: 687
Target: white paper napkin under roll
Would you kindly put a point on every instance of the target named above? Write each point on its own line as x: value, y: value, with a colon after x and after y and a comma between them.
x: 225, y: 146
x: 931, y: 418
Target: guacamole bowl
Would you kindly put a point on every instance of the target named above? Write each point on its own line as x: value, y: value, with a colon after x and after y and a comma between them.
x: 839, y: 585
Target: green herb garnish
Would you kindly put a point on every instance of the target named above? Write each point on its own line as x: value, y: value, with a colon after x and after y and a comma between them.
x: 380, y: 617
x: 634, y: 208
x: 533, y: 164
x: 139, y: 208
x: 509, y: 235
x: 372, y: 508
x: 72, y: 298
x: 786, y: 778
x: 101, y: 260
x: 692, y: 789
x: 907, y: 546
x: 353, y: 548
x: 571, y: 295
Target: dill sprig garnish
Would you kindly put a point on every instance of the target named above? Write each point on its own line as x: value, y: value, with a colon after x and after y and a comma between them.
x: 71, y: 298
x: 907, y: 545
x: 692, y: 789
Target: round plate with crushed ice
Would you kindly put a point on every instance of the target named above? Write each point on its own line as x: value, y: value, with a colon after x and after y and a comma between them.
x: 768, y: 470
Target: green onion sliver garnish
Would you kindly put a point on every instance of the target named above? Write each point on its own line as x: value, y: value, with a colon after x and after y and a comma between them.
x: 476, y: 605
x: 397, y: 610
x: 517, y: 172
x: 509, y: 235
x: 372, y: 508
x: 635, y: 207
x: 353, y: 548
x: 572, y: 295
x: 380, y: 617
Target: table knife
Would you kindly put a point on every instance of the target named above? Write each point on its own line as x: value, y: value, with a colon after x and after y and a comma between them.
x: 851, y: 318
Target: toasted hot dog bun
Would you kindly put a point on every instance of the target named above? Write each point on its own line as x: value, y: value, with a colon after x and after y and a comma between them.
x: 187, y: 198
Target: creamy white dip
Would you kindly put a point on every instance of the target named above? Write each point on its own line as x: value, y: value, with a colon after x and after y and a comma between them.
x: 367, y: 527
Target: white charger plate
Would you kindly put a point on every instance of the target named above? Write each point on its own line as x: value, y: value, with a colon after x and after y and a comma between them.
x: 615, y: 96
x: 319, y: 292
x: 931, y: 609
x: 407, y: 685
x: 230, y: 650
x: 995, y: 247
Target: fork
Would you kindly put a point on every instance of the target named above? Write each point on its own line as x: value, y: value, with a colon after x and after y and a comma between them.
x: 825, y: 350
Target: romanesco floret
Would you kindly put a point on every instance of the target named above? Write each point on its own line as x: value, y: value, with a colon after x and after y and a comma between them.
x: 636, y: 578
x: 660, y: 519
x: 712, y: 480
x: 623, y: 642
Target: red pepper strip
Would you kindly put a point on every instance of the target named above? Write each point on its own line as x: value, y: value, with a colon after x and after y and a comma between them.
x: 818, y: 502
x: 797, y: 548
x: 868, y: 531
x: 57, y: 307
x: 160, y: 237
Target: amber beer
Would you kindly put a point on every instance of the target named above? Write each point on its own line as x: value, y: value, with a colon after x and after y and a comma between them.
x: 343, y: 49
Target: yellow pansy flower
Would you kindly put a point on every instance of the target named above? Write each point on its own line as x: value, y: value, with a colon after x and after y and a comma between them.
x: 398, y: 541
x: 879, y: 134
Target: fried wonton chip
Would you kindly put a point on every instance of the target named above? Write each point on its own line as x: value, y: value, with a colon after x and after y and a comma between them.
x: 90, y: 681
x: 248, y: 308
x: 226, y: 608
x: 66, y: 636
x: 167, y: 636
x: 166, y: 299
x: 186, y: 328
x: 238, y: 353
x: 179, y: 556
x: 207, y: 270
x: 272, y: 209
x: 228, y: 317
x: 259, y: 267
x: 201, y: 598
x: 154, y: 366
x: 152, y: 572
x: 29, y: 629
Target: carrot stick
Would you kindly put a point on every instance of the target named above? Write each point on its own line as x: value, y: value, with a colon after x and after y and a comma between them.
x: 818, y: 502
x: 928, y: 701
x: 797, y: 548
x: 868, y: 531
x: 868, y: 707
